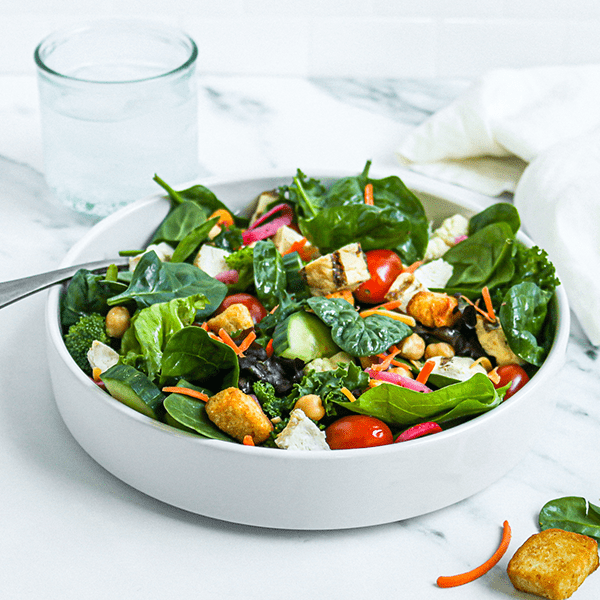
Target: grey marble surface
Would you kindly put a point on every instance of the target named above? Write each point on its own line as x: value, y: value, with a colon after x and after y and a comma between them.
x: 71, y: 530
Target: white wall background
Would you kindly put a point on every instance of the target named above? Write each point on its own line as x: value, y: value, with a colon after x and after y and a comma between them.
x: 362, y: 38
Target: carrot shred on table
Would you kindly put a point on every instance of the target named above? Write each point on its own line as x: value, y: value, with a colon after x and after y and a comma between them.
x: 485, y: 292
x: 425, y: 372
x: 369, y: 194
x: 412, y: 268
x: 247, y: 341
x: 226, y: 338
x: 185, y: 392
x: 454, y: 580
x: 387, y: 360
x: 348, y: 394
x: 248, y: 441
x: 269, y: 348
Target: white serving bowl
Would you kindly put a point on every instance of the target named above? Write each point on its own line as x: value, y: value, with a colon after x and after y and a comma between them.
x: 292, y: 489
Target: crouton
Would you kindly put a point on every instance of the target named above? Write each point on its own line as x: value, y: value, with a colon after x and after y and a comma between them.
x: 553, y: 563
x: 239, y: 415
x: 235, y: 317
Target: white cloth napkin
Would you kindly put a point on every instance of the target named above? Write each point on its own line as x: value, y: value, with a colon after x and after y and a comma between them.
x: 534, y: 132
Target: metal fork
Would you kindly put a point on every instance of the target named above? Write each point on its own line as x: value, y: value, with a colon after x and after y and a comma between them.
x: 11, y: 291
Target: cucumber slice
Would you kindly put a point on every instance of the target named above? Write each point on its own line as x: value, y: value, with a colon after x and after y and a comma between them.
x: 131, y: 387
x: 292, y: 263
x: 303, y: 335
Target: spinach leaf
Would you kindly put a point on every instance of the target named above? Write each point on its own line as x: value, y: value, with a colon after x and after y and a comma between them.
x: 200, y: 195
x: 180, y: 220
x: 191, y: 413
x: 522, y: 316
x: 483, y: 259
x: 354, y: 334
x: 86, y: 293
x: 154, y: 281
x: 144, y: 341
x: 192, y: 354
x: 192, y: 240
x: 304, y: 194
x: 399, y: 406
x: 571, y: 513
x: 497, y: 213
x: 269, y: 273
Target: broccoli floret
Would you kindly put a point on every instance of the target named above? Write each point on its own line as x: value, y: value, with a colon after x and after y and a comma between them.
x: 80, y: 337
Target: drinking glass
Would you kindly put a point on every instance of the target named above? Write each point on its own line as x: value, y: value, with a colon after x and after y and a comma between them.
x: 118, y: 102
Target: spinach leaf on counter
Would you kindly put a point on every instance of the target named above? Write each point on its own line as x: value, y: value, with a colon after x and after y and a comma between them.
x: 522, y: 316
x: 399, y: 406
x: 354, y: 334
x: 193, y: 355
x: 269, y: 273
x: 571, y: 513
x: 144, y: 341
x: 154, y: 282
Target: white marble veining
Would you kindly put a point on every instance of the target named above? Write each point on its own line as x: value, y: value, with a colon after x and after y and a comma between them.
x: 70, y: 530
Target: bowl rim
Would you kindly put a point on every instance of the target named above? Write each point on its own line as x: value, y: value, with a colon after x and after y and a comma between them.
x: 415, y: 182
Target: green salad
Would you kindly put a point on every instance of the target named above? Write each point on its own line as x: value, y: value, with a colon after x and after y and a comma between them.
x: 336, y: 316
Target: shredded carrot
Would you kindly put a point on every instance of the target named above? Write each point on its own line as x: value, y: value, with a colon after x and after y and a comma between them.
x: 485, y: 292
x: 454, y: 580
x: 348, y: 394
x: 248, y: 441
x: 389, y: 305
x: 214, y: 337
x: 369, y: 194
x: 226, y: 338
x: 398, y: 363
x: 387, y: 360
x: 412, y: 268
x: 297, y: 246
x: 269, y: 348
x: 273, y: 309
x: 481, y: 312
x: 225, y: 217
x: 204, y: 326
x: 186, y: 392
x: 344, y: 295
x: 425, y: 372
x: 388, y: 313
x: 96, y: 372
x: 247, y: 341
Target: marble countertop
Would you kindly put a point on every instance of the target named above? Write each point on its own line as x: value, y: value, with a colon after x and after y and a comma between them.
x: 70, y: 530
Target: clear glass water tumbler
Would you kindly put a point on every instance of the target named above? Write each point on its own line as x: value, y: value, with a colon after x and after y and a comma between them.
x: 118, y: 101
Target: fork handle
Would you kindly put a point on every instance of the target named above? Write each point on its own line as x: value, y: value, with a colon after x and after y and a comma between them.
x: 11, y: 291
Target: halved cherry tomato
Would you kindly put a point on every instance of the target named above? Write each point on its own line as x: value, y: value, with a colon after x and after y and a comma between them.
x: 513, y: 374
x: 384, y: 266
x: 257, y: 310
x: 358, y: 431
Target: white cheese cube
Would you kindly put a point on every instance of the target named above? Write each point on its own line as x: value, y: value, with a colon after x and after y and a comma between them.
x: 436, y: 248
x: 211, y: 260
x: 163, y: 250
x: 285, y: 237
x: 452, y: 228
x: 100, y: 356
x: 434, y: 274
x: 460, y: 368
x: 328, y: 364
x: 301, y: 434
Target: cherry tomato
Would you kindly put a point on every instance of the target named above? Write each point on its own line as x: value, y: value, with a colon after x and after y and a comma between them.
x: 257, y: 310
x: 384, y: 267
x: 513, y: 374
x: 358, y: 431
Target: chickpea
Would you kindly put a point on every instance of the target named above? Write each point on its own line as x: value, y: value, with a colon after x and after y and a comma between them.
x: 412, y: 347
x: 117, y: 321
x: 312, y: 406
x: 439, y: 349
x: 402, y: 372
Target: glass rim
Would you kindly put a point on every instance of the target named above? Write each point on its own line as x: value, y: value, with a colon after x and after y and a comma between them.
x: 120, y: 22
